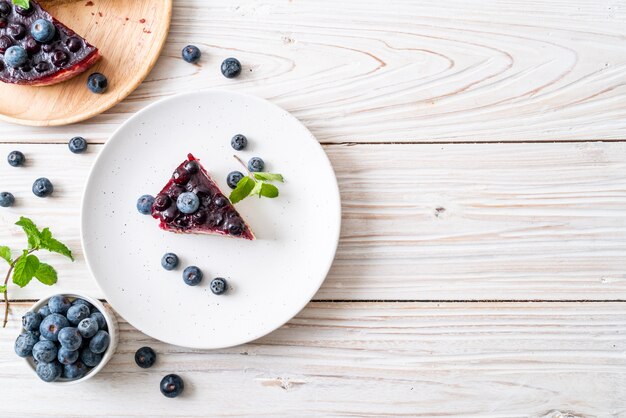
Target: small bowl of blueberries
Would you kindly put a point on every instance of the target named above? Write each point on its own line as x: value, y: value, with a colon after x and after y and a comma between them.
x: 68, y: 338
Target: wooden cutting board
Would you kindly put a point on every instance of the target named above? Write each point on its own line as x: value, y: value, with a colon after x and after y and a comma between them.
x: 129, y: 34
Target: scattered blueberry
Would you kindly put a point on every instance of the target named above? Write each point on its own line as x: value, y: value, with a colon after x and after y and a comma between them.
x: 144, y: 204
x: 188, y: 202
x: 49, y: 372
x: 100, y: 342
x: 77, y: 145
x: 77, y: 313
x: 70, y: 338
x: 31, y: 321
x: 172, y: 385
x: 88, y: 327
x: 239, y: 142
x: 59, y: 304
x: 233, y: 178
x: 44, y: 311
x: 89, y: 358
x: 99, y: 318
x: 97, y: 83
x: 6, y: 199
x: 231, y: 67
x: 218, y: 286
x: 192, y: 276
x: 52, y: 325
x: 42, y: 30
x: 256, y: 164
x: 15, y: 56
x: 75, y: 370
x: 25, y: 343
x: 169, y: 261
x: 145, y: 357
x: 191, y: 54
x: 45, y: 351
x: 42, y: 187
x: 66, y: 356
x: 16, y: 159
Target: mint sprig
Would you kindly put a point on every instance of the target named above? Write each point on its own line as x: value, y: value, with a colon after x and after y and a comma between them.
x: 27, y: 266
x: 255, y: 184
x: 24, y: 4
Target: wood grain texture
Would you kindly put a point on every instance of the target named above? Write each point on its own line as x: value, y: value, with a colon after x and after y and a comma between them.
x: 130, y: 41
x: 427, y: 222
x: 370, y: 70
x: 364, y: 359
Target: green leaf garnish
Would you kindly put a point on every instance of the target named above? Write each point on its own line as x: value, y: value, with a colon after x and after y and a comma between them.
x: 268, y: 190
x: 243, y: 189
x: 25, y: 269
x: 3, y: 288
x: 46, y: 274
x: 255, y: 184
x: 25, y: 4
x: 269, y: 177
x: 54, y: 246
x: 32, y: 233
x: 5, y: 254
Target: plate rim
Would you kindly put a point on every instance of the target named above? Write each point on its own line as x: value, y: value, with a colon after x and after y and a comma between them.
x: 336, y: 235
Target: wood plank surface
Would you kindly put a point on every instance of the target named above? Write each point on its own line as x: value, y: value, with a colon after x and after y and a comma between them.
x: 427, y: 222
x: 365, y: 359
x: 371, y: 70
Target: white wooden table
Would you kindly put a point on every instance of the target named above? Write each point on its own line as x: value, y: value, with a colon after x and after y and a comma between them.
x: 480, y: 149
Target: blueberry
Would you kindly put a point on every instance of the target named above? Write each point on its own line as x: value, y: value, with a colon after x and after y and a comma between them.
x: 235, y: 226
x: 51, y: 325
x: 162, y: 202
x: 192, y: 167
x: 59, y: 58
x: 181, y: 176
x: 16, y: 159
x: 82, y: 302
x: 42, y: 187
x: 192, y: 276
x: 17, y: 31
x: 25, y: 343
x: 59, y: 304
x: 144, y: 204
x: 44, y: 311
x: 89, y: 358
x: 31, y: 46
x: 77, y: 145
x: 73, y: 43
x: 15, y: 56
x: 233, y: 178
x: 100, y: 342
x: 231, y: 67
x: 218, y: 286
x: 66, y: 356
x: 75, y: 370
x: 49, y: 372
x: 220, y: 200
x: 88, y: 327
x: 99, y: 318
x: 145, y: 357
x: 70, y: 338
x: 77, y: 313
x: 97, y: 83
x: 45, y: 351
x: 256, y: 164
x: 172, y: 385
x: 239, y: 142
x: 188, y: 202
x: 6, y: 199
x: 169, y: 261
x: 191, y: 54
x: 42, y: 30
x: 5, y: 8
x: 31, y: 321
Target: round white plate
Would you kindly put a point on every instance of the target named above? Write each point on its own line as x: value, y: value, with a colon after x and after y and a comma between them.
x: 271, y: 279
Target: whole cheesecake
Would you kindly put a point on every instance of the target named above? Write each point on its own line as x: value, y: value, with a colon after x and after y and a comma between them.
x: 52, y: 61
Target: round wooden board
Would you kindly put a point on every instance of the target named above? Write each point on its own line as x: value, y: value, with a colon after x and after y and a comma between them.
x: 129, y: 34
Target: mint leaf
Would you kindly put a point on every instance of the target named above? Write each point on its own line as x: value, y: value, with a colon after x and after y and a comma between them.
x: 257, y: 188
x: 269, y: 177
x: 32, y: 233
x: 243, y: 189
x: 25, y: 268
x: 5, y: 254
x: 46, y: 274
x: 22, y: 3
x: 269, y: 190
x: 54, y: 246
x: 3, y: 288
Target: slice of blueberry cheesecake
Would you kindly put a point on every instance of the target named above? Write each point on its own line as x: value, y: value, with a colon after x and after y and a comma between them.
x: 38, y: 50
x: 192, y: 203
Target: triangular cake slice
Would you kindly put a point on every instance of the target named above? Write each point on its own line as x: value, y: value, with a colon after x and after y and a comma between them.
x: 63, y: 57
x: 215, y: 215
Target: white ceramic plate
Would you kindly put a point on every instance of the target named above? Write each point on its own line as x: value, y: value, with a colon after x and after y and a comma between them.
x: 271, y: 279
